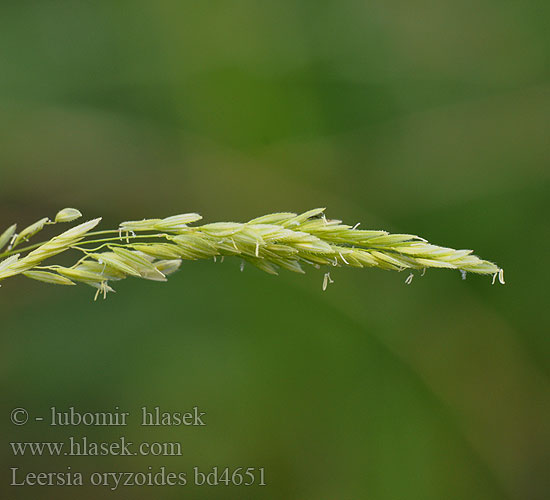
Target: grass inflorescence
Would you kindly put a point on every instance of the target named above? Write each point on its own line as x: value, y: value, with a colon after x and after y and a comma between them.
x: 155, y: 248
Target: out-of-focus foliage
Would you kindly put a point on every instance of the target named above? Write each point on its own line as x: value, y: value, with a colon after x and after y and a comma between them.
x: 425, y: 117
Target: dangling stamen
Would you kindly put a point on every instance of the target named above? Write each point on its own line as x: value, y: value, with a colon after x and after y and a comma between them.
x: 326, y: 280
x: 342, y: 257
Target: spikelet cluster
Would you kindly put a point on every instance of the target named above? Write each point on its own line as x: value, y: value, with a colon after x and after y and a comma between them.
x: 155, y: 248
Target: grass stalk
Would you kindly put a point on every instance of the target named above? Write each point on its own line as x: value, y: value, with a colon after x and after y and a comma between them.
x: 155, y: 248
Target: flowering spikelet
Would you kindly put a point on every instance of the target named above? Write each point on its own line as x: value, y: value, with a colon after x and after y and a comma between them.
x: 155, y: 248
x: 67, y: 215
x: 56, y: 245
x: 7, y: 235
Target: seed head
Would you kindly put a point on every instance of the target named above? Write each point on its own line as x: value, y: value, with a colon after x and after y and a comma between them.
x: 283, y: 240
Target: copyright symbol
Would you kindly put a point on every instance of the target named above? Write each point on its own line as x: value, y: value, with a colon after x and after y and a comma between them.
x: 19, y: 416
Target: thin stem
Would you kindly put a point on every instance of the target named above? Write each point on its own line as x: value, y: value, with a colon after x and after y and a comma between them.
x: 103, y: 240
x: 94, y: 233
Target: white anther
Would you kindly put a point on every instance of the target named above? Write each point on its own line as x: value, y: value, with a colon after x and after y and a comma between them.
x: 12, y: 241
x: 501, y: 276
x: 326, y: 280
x: 409, y: 279
x: 356, y: 226
x: 463, y: 273
x: 342, y: 257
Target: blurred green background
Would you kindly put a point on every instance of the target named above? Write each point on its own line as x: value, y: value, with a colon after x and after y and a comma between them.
x: 426, y: 117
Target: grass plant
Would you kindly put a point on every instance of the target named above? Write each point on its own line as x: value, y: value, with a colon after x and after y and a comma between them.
x: 155, y: 248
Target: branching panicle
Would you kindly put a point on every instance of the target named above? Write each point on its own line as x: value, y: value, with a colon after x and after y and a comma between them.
x: 155, y: 248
